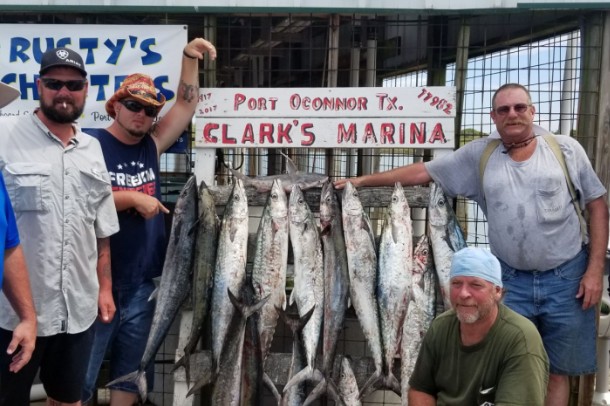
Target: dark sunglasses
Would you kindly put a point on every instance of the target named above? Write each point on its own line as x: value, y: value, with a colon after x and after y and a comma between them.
x: 71, y: 85
x: 519, y: 108
x: 134, y: 106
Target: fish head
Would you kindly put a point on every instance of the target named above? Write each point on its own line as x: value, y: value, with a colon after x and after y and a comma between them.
x: 421, y: 254
x: 351, y: 203
x: 326, y: 202
x: 438, y: 206
x: 237, y: 205
x: 298, y: 208
x: 188, y: 194
x: 277, y: 201
x: 399, y: 206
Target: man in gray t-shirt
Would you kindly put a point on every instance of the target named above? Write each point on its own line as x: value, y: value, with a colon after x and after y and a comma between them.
x: 552, y: 273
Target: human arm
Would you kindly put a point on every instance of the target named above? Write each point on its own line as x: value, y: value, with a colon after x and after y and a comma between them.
x: 417, y: 398
x: 590, y: 289
x: 176, y: 120
x: 17, y: 290
x: 147, y: 206
x: 409, y: 175
x: 105, y: 304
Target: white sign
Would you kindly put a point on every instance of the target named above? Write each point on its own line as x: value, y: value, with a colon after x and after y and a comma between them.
x: 366, y: 117
x: 110, y: 53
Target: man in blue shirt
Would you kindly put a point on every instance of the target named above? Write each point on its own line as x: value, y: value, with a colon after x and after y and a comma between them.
x: 14, y: 278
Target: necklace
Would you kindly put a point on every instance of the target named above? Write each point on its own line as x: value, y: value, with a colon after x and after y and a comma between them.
x: 520, y: 144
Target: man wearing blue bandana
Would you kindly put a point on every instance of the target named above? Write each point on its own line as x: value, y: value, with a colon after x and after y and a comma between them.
x: 480, y: 352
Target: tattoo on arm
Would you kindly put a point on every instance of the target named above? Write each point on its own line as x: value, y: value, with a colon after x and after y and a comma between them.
x: 189, y: 92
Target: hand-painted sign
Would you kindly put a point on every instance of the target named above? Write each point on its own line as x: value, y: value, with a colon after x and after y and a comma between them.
x: 110, y: 53
x: 414, y: 117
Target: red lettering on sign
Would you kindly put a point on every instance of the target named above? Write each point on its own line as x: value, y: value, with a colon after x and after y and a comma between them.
x: 387, y: 133
x: 225, y: 135
x: 283, y: 133
x: 438, y: 134
x: 349, y: 135
x: 248, y: 135
x: 237, y: 100
x: 308, y: 136
x: 266, y: 131
x: 207, y: 133
x: 369, y: 134
x: 418, y: 135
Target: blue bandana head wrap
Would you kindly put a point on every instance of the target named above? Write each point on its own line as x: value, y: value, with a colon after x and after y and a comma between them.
x: 476, y: 262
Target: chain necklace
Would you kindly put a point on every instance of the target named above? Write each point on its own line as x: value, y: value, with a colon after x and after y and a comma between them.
x: 520, y: 144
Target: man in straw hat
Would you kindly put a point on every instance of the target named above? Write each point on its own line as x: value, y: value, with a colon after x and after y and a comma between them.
x: 480, y: 352
x: 60, y: 190
x: 14, y: 278
x: 132, y: 145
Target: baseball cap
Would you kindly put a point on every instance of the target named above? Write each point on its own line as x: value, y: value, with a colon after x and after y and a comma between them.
x: 140, y: 87
x: 476, y: 262
x: 7, y: 94
x: 62, y: 56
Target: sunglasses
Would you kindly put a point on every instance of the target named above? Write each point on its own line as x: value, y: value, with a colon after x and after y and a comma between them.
x: 519, y: 108
x: 134, y: 106
x: 71, y: 85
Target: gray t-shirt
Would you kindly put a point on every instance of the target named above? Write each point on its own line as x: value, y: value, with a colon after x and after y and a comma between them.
x: 532, y: 223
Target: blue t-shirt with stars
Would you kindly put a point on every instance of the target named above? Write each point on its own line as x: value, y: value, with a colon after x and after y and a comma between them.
x: 137, y: 251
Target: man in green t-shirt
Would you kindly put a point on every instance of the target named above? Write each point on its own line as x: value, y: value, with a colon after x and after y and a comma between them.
x: 480, y: 352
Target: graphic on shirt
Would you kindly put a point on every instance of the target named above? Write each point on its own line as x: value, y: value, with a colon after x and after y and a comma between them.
x: 133, y: 176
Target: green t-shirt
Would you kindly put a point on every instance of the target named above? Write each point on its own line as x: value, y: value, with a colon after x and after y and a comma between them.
x: 509, y: 367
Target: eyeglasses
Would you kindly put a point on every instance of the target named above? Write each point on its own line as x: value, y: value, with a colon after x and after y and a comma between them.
x: 71, y: 85
x: 134, y: 106
x: 519, y: 108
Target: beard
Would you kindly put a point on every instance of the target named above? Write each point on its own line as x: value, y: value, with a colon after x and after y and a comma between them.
x: 471, y: 315
x: 62, y: 115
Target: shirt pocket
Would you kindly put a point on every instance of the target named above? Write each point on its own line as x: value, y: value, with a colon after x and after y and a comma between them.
x: 551, y: 202
x: 29, y: 185
x: 97, y: 187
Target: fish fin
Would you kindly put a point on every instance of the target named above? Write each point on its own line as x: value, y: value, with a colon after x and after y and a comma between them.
x: 271, y: 386
x: 301, y: 376
x: 292, y: 296
x: 283, y: 299
x: 154, y: 294
x: 371, y: 385
x: 392, y: 383
x: 206, y: 379
x: 291, y: 168
x: 136, y: 377
x: 315, y: 394
x: 332, y: 388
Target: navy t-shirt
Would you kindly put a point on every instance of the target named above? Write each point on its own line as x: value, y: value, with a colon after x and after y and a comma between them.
x: 137, y: 251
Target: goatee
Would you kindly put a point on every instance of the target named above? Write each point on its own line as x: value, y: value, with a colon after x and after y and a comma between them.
x: 62, y: 115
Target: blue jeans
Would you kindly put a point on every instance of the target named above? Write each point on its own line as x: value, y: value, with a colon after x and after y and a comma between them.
x: 124, y: 338
x: 548, y: 299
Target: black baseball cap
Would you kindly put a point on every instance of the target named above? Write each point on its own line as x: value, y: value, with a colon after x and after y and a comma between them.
x: 62, y: 57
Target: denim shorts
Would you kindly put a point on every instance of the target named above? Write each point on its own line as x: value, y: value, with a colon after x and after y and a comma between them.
x: 123, y: 339
x: 62, y: 367
x: 548, y: 299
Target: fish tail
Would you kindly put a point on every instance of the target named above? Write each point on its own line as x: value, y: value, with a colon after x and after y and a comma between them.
x: 303, y: 375
x: 184, y: 362
x: 392, y: 383
x: 318, y: 391
x: 206, y: 379
x: 136, y: 377
x: 269, y: 383
x: 373, y: 383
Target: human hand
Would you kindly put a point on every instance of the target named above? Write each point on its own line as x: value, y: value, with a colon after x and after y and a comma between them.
x: 106, y: 306
x: 24, y: 339
x: 148, y: 206
x: 340, y: 183
x: 590, y: 289
x: 198, y: 47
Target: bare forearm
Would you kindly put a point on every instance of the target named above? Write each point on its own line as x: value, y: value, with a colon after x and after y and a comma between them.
x: 598, y: 233
x: 104, y: 274
x: 409, y: 175
x: 17, y: 284
x: 417, y: 398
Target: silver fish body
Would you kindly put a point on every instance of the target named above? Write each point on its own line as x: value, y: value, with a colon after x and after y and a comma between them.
x: 230, y: 269
x: 420, y: 313
x: 308, y: 291
x: 394, y: 278
x: 269, y: 266
x: 336, y: 289
x: 175, y: 282
x: 362, y: 265
x: 203, y: 270
x: 446, y: 237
